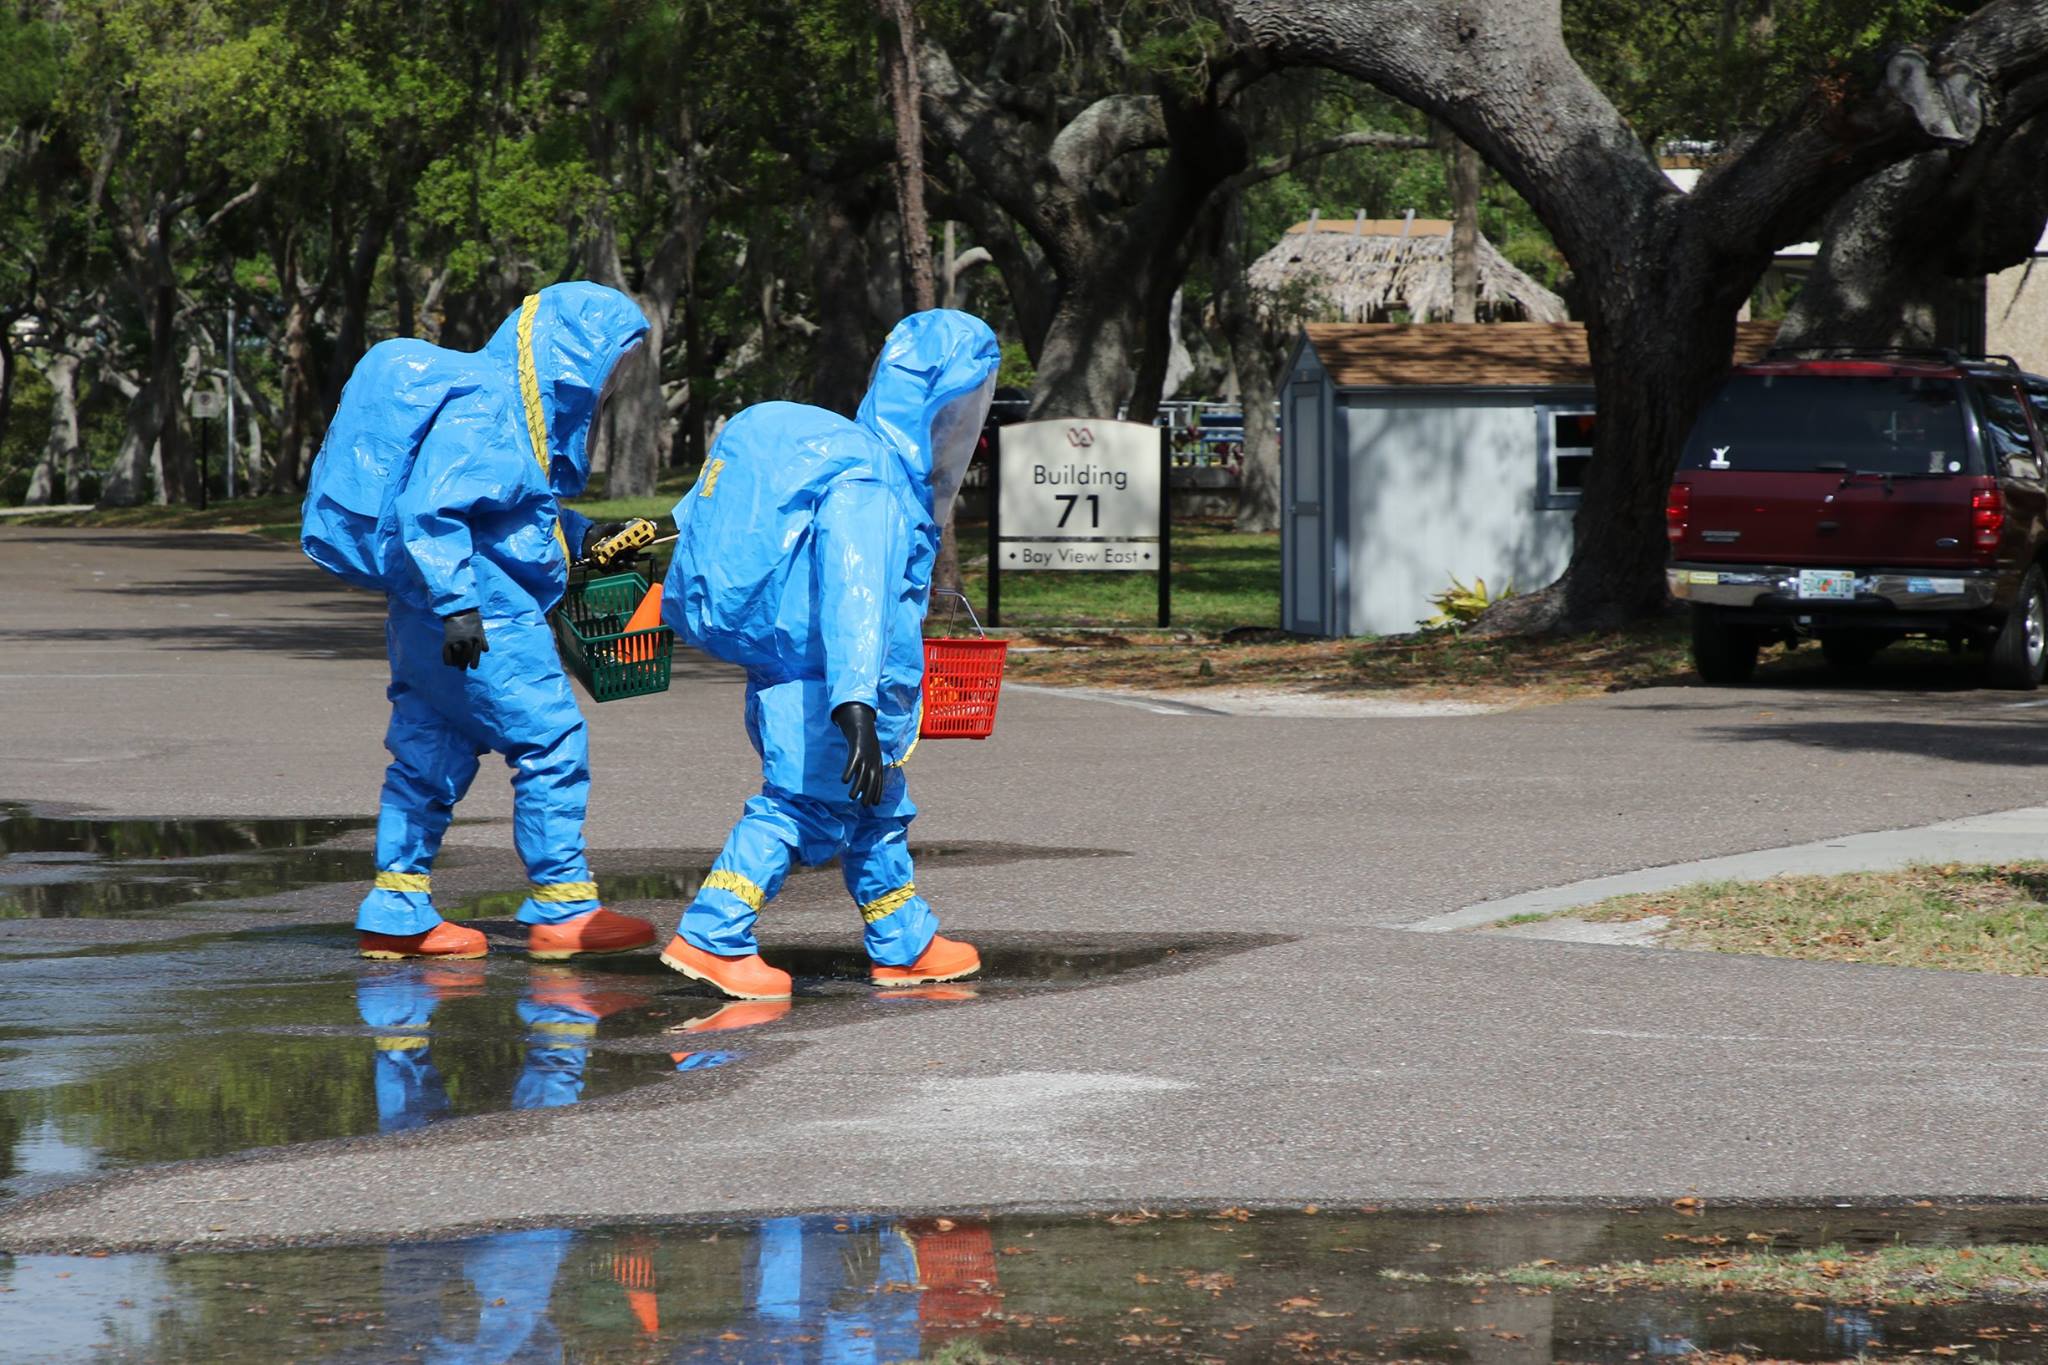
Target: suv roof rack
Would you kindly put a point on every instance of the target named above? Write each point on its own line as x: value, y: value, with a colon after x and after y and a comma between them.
x: 1945, y: 354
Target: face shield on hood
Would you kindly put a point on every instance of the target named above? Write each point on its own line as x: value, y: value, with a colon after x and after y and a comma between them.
x: 564, y: 346
x: 929, y: 396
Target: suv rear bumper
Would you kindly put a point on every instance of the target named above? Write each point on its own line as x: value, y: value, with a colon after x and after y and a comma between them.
x: 1882, y: 595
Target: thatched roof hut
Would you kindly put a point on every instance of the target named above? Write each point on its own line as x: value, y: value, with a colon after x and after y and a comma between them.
x: 1368, y: 269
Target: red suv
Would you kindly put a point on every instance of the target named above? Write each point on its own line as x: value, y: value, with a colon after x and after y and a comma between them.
x: 1862, y: 498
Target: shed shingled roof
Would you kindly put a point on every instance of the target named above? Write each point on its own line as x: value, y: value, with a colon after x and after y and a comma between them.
x: 1488, y: 355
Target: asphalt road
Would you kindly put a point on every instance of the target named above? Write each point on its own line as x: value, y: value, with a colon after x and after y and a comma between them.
x: 1344, y: 1061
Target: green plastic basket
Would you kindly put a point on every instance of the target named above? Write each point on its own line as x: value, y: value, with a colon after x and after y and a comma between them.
x: 608, y: 661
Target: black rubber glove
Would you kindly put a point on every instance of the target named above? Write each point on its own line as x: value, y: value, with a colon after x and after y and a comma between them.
x: 864, y: 768
x: 462, y: 639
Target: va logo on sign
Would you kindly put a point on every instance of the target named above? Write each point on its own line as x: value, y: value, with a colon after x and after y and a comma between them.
x: 1080, y: 437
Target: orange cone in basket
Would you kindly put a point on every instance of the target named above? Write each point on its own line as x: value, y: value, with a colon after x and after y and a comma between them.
x: 646, y: 616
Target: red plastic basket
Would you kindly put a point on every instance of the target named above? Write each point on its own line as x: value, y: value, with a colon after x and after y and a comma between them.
x: 962, y: 679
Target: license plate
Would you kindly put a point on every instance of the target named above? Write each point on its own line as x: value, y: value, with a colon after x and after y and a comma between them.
x: 1826, y: 585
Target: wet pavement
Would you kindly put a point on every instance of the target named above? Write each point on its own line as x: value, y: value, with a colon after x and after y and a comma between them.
x: 218, y: 677
x: 1227, y: 1285
x: 130, y: 1054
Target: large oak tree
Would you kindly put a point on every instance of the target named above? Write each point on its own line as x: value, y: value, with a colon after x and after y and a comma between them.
x: 1661, y: 274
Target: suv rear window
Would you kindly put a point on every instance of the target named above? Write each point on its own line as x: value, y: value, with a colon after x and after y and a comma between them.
x: 1880, y: 424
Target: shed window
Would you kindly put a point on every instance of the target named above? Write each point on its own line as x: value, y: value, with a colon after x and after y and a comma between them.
x: 1564, y: 442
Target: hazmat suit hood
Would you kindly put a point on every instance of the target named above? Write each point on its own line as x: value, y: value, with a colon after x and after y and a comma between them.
x: 564, y: 344
x: 929, y: 396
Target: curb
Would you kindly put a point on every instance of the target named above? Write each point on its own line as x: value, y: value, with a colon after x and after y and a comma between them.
x: 2003, y: 836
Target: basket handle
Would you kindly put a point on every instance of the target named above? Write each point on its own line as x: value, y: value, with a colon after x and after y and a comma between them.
x: 961, y: 598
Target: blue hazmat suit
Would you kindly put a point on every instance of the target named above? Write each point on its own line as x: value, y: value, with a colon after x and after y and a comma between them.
x: 438, y: 485
x: 805, y: 555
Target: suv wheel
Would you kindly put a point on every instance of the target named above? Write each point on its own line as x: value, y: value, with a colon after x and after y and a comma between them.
x: 1723, y: 654
x: 1850, y: 651
x: 2019, y: 656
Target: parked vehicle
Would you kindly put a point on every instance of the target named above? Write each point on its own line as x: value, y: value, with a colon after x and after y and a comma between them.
x: 1860, y: 498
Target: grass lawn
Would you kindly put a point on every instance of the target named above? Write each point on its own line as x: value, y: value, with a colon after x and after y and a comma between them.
x: 1889, y: 1275
x: 1960, y: 917
x: 1221, y: 579
x: 276, y: 517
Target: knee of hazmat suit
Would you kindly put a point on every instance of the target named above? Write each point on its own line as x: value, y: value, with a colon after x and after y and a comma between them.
x: 438, y: 484
x: 805, y: 549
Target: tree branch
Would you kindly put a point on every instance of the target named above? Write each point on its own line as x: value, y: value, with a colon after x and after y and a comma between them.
x: 255, y: 188
x: 1106, y: 131
x: 1279, y: 166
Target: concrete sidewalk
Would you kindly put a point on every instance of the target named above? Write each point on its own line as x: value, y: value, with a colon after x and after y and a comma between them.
x: 2001, y: 837
x: 1347, y: 1061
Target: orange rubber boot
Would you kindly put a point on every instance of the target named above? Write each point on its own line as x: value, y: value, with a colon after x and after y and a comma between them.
x: 448, y: 942
x: 943, y: 959
x: 742, y: 978
x: 588, y: 935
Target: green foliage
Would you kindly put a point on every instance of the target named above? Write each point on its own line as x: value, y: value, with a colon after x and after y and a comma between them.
x: 1017, y: 370
x: 518, y: 198
x: 1714, y: 69
x: 1460, y: 605
x: 469, y: 151
x: 29, y: 68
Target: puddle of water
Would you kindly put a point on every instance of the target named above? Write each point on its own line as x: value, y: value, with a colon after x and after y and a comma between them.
x: 65, y: 868
x: 208, y: 1047
x: 107, y: 1063
x: 859, y: 1288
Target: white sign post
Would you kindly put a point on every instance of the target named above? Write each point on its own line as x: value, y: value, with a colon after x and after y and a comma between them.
x: 1079, y: 494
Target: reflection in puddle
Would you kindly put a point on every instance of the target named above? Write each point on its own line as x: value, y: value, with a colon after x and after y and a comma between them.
x: 176, y: 1056
x: 70, y: 868
x: 1334, y: 1286
x: 209, y: 1047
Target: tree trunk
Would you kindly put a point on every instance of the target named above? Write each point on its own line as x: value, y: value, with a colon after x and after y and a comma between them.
x: 56, y: 474
x: 1085, y: 367
x: 1112, y: 218
x: 401, y: 279
x: 179, y: 481
x: 698, y: 377
x: 128, y: 479
x: 899, y: 78
x: 636, y: 422
x: 844, y: 349
x: 299, y: 442
x: 1674, y: 349
x: 635, y: 433
x: 8, y: 360
x: 1256, y: 355
x: 1033, y: 292
x: 1464, y: 176
x: 1900, y: 253
x: 358, y: 271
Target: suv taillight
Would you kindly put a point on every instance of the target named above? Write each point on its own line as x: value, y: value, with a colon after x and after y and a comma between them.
x: 1677, y: 509
x: 1987, y: 517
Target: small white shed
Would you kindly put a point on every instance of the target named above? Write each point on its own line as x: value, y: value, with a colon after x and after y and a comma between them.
x: 1411, y: 453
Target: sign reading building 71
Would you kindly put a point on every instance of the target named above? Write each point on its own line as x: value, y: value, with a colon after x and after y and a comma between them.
x: 1077, y: 493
